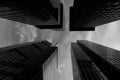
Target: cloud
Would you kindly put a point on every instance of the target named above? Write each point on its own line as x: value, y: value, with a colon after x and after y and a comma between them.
x: 26, y: 32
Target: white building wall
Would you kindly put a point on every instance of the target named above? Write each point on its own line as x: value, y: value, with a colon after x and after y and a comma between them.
x: 59, y: 67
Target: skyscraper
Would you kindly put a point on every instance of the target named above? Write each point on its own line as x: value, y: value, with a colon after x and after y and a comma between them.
x: 87, y: 14
x: 41, y: 13
x: 95, y: 61
x: 24, y: 62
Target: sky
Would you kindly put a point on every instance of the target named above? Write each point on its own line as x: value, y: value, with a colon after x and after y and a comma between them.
x: 12, y: 33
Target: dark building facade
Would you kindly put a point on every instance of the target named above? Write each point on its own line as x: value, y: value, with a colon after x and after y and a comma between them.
x: 24, y: 62
x: 41, y: 13
x: 94, y: 61
x: 87, y: 14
